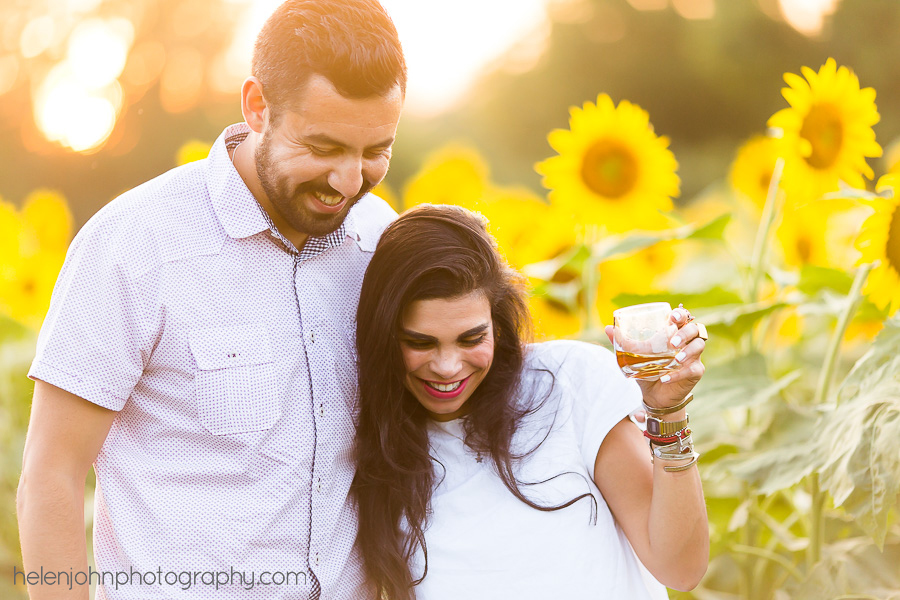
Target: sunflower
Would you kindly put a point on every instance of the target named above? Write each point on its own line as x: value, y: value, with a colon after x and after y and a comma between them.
x: 827, y: 131
x: 751, y: 171
x: 10, y: 232
x: 643, y: 272
x: 27, y: 284
x: 551, y: 319
x: 454, y: 174
x: 527, y: 229
x: 821, y: 233
x: 33, y: 245
x: 612, y: 169
x: 191, y: 151
x: 386, y: 193
x: 47, y: 218
x: 892, y: 157
x: 880, y: 240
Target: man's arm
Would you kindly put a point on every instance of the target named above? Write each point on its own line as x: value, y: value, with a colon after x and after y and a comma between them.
x: 65, y: 433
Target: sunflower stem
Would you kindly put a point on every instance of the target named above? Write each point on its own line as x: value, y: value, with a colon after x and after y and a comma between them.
x: 854, y: 299
x: 823, y: 388
x: 762, y: 234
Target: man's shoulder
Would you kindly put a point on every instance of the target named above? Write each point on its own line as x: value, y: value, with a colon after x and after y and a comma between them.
x: 368, y: 218
x: 145, y: 226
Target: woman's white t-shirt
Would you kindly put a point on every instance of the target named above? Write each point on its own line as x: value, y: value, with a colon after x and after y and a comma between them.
x: 483, y: 542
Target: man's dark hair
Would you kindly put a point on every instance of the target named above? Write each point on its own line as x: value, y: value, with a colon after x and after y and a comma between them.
x: 352, y: 43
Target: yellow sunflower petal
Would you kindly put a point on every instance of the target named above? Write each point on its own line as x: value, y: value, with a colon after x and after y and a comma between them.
x: 879, y: 241
x: 46, y: 213
x: 10, y: 230
x: 453, y: 175
x: 191, y: 151
x: 751, y: 171
x: 27, y: 286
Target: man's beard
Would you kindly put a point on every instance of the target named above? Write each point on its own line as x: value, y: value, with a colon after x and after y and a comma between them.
x: 290, y: 203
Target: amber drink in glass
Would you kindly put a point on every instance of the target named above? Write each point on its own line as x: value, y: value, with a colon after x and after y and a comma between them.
x: 641, y: 340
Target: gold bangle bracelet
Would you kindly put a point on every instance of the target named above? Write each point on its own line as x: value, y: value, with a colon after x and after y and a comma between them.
x: 659, y: 412
x: 685, y: 467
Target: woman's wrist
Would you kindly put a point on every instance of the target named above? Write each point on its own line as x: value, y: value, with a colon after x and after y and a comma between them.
x: 681, y: 415
x: 665, y: 411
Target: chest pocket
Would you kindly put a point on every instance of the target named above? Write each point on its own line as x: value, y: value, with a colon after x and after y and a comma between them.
x: 235, y: 385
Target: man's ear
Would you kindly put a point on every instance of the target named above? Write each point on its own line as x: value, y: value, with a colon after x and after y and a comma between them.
x: 253, y: 104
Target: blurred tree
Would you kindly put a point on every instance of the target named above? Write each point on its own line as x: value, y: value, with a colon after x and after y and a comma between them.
x: 706, y: 83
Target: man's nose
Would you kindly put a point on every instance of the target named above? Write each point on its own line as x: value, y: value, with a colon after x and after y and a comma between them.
x: 347, y: 177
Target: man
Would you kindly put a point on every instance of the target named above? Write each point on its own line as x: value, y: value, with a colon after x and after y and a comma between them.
x: 199, y: 348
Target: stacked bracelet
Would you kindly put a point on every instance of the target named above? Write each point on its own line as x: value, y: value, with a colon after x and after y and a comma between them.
x: 670, y: 440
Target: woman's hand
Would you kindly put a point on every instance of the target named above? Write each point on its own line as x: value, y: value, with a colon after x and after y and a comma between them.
x: 673, y: 387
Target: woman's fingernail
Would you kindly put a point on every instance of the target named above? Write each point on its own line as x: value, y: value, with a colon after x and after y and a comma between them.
x: 676, y: 341
x: 665, y: 379
x: 680, y: 356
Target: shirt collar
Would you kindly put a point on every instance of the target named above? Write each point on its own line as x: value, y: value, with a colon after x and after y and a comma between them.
x: 234, y: 204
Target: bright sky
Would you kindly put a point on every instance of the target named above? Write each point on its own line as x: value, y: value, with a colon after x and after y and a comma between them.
x: 446, y: 42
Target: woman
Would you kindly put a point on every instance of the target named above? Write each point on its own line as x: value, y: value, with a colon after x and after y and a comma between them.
x: 488, y: 468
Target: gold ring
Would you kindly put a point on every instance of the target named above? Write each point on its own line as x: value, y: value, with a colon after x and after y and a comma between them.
x: 690, y: 317
x: 701, y: 332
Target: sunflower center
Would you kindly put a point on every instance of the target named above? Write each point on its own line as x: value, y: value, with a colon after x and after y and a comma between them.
x: 892, y: 247
x: 823, y: 129
x: 28, y: 287
x: 609, y: 169
x: 765, y: 180
x: 804, y: 248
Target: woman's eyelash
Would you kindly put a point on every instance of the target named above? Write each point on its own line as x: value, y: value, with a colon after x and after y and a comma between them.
x: 416, y: 344
x: 421, y: 345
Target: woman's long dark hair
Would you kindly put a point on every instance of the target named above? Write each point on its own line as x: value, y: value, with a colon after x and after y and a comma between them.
x: 429, y: 252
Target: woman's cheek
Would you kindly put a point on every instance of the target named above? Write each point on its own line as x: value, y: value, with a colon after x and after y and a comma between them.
x: 482, y: 356
x: 414, y: 359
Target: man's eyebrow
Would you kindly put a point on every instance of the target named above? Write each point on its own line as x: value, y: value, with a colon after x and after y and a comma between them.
x: 427, y: 338
x: 322, y: 138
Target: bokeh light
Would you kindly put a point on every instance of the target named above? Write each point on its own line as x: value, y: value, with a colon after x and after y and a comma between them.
x: 69, y: 113
x: 98, y: 50
x: 807, y: 16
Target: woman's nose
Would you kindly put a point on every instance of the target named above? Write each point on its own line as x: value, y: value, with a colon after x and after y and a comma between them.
x: 446, y: 364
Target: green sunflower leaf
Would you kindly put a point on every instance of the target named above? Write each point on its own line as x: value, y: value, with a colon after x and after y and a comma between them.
x: 814, y: 279
x: 616, y: 246
x: 861, y: 437
x: 571, y: 261
x: 712, y: 297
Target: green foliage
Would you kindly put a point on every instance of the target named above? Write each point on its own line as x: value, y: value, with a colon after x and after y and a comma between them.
x: 16, y: 351
x: 860, y: 439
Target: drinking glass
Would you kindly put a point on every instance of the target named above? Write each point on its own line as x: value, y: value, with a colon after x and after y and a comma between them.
x: 641, y: 340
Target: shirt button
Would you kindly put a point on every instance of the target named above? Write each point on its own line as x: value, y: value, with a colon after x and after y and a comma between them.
x: 316, y: 559
x: 312, y: 337
x: 321, y: 410
x: 319, y: 486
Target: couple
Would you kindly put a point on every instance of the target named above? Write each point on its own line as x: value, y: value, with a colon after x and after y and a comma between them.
x: 199, y: 352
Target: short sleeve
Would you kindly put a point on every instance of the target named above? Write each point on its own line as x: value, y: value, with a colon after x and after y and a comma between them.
x: 97, y: 335
x: 599, y: 393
